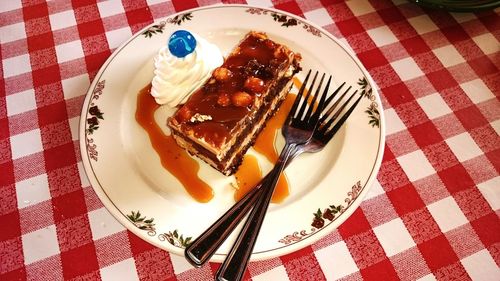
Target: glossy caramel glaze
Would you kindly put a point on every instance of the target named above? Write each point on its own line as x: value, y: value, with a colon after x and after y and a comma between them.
x: 173, y: 158
x: 231, y: 93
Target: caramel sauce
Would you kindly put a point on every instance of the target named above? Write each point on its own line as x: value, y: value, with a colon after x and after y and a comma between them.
x: 248, y: 175
x: 173, y: 158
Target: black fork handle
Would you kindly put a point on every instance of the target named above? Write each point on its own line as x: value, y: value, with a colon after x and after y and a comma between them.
x: 235, y: 264
x: 205, y: 245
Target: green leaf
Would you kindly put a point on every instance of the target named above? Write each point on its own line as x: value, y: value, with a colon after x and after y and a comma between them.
x: 149, y: 220
x: 373, y: 123
x: 318, y: 213
x: 334, y: 209
x: 176, y: 235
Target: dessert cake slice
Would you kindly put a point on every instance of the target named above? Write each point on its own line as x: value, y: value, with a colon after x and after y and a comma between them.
x: 222, y: 119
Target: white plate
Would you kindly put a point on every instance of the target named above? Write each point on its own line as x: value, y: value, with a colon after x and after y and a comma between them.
x: 126, y: 173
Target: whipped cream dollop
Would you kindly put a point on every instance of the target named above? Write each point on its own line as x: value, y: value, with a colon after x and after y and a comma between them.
x: 176, y: 78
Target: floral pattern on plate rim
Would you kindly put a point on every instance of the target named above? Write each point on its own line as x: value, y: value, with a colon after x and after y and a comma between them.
x: 372, y: 109
x: 176, y: 239
x: 93, y: 122
x: 331, y: 213
x: 142, y: 222
x: 172, y: 237
x: 285, y: 20
x: 158, y: 28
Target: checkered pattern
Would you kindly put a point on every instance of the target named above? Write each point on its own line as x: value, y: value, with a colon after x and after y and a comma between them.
x: 433, y: 213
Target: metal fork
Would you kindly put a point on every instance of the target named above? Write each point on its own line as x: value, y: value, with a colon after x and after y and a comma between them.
x: 298, y: 131
x: 203, y: 247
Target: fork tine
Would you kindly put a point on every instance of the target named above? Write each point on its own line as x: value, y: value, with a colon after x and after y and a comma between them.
x: 336, y: 103
x: 322, y: 102
x: 298, y: 98
x: 329, y: 119
x: 313, y: 101
x: 330, y: 132
x: 332, y: 96
x: 304, y: 101
x: 344, y: 117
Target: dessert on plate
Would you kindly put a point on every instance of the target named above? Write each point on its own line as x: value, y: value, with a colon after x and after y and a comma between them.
x: 222, y: 117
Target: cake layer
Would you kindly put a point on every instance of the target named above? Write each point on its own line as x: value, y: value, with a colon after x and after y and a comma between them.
x: 244, y: 141
x: 221, y: 120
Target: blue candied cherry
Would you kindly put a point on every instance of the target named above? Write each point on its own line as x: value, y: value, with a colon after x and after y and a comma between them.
x: 181, y: 43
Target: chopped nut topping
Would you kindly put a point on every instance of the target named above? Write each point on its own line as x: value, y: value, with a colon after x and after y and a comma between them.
x: 254, y: 84
x: 259, y: 35
x: 223, y: 99
x: 279, y: 52
x: 241, y: 99
x: 236, y: 51
x: 200, y: 118
x: 270, y: 44
x: 222, y: 74
x: 184, y: 114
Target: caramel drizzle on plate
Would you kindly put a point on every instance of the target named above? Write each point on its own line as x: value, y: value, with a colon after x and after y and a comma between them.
x: 173, y: 158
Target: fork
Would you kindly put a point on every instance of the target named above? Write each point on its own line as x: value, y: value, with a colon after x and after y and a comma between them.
x: 298, y: 131
x: 203, y: 247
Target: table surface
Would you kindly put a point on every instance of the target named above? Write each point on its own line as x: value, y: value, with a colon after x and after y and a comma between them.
x: 432, y: 214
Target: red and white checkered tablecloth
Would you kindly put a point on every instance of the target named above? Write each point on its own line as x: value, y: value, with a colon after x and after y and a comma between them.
x: 432, y: 214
